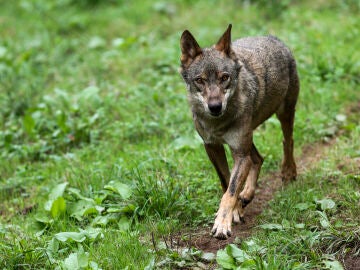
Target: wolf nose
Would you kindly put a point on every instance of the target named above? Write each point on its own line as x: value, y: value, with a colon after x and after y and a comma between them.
x: 215, y: 108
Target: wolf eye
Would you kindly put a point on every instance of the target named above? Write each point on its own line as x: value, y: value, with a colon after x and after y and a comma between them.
x: 225, y: 77
x: 199, y: 80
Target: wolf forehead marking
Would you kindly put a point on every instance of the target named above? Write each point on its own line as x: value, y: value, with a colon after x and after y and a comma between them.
x: 209, y: 67
x: 211, y: 62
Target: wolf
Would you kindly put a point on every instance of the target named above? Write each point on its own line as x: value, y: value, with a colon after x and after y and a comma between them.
x: 233, y: 87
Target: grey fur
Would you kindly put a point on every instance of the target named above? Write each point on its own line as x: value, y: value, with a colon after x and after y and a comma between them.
x: 232, y: 89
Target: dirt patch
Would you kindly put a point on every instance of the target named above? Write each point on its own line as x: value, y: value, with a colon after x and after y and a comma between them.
x: 268, y: 185
x: 352, y: 262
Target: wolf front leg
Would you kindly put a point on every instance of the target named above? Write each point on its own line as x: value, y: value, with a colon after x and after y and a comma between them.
x: 229, y: 201
x: 217, y: 156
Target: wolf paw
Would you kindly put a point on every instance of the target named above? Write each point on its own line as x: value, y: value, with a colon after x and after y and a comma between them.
x: 245, y: 202
x: 237, y: 213
x: 288, y: 173
x: 222, y: 227
x: 246, y: 197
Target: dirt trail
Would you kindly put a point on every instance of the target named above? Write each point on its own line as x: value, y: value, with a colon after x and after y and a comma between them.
x: 268, y: 185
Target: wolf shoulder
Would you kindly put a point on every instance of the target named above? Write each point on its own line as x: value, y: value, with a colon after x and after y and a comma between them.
x: 268, y: 60
x: 261, y: 44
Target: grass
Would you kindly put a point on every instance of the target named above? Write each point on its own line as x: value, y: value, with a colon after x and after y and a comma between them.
x: 90, y: 96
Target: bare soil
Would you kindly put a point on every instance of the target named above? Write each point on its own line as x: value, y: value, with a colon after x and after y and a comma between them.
x: 352, y: 263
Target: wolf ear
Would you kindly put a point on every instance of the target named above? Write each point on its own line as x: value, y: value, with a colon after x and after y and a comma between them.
x: 224, y: 43
x: 189, y: 48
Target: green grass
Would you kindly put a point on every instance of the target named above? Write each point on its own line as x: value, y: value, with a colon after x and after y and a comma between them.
x: 90, y: 96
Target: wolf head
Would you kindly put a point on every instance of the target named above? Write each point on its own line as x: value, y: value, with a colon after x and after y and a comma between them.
x: 211, y: 74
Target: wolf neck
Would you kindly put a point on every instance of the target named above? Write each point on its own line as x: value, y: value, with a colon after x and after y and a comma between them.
x: 214, y: 129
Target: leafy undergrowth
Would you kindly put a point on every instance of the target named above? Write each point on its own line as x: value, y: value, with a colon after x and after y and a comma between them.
x: 99, y: 157
x: 116, y: 206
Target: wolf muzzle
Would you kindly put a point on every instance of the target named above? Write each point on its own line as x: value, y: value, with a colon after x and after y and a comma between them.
x: 215, y: 108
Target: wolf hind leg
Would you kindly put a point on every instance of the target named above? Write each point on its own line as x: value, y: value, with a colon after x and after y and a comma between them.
x: 286, y: 116
x: 248, y: 192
